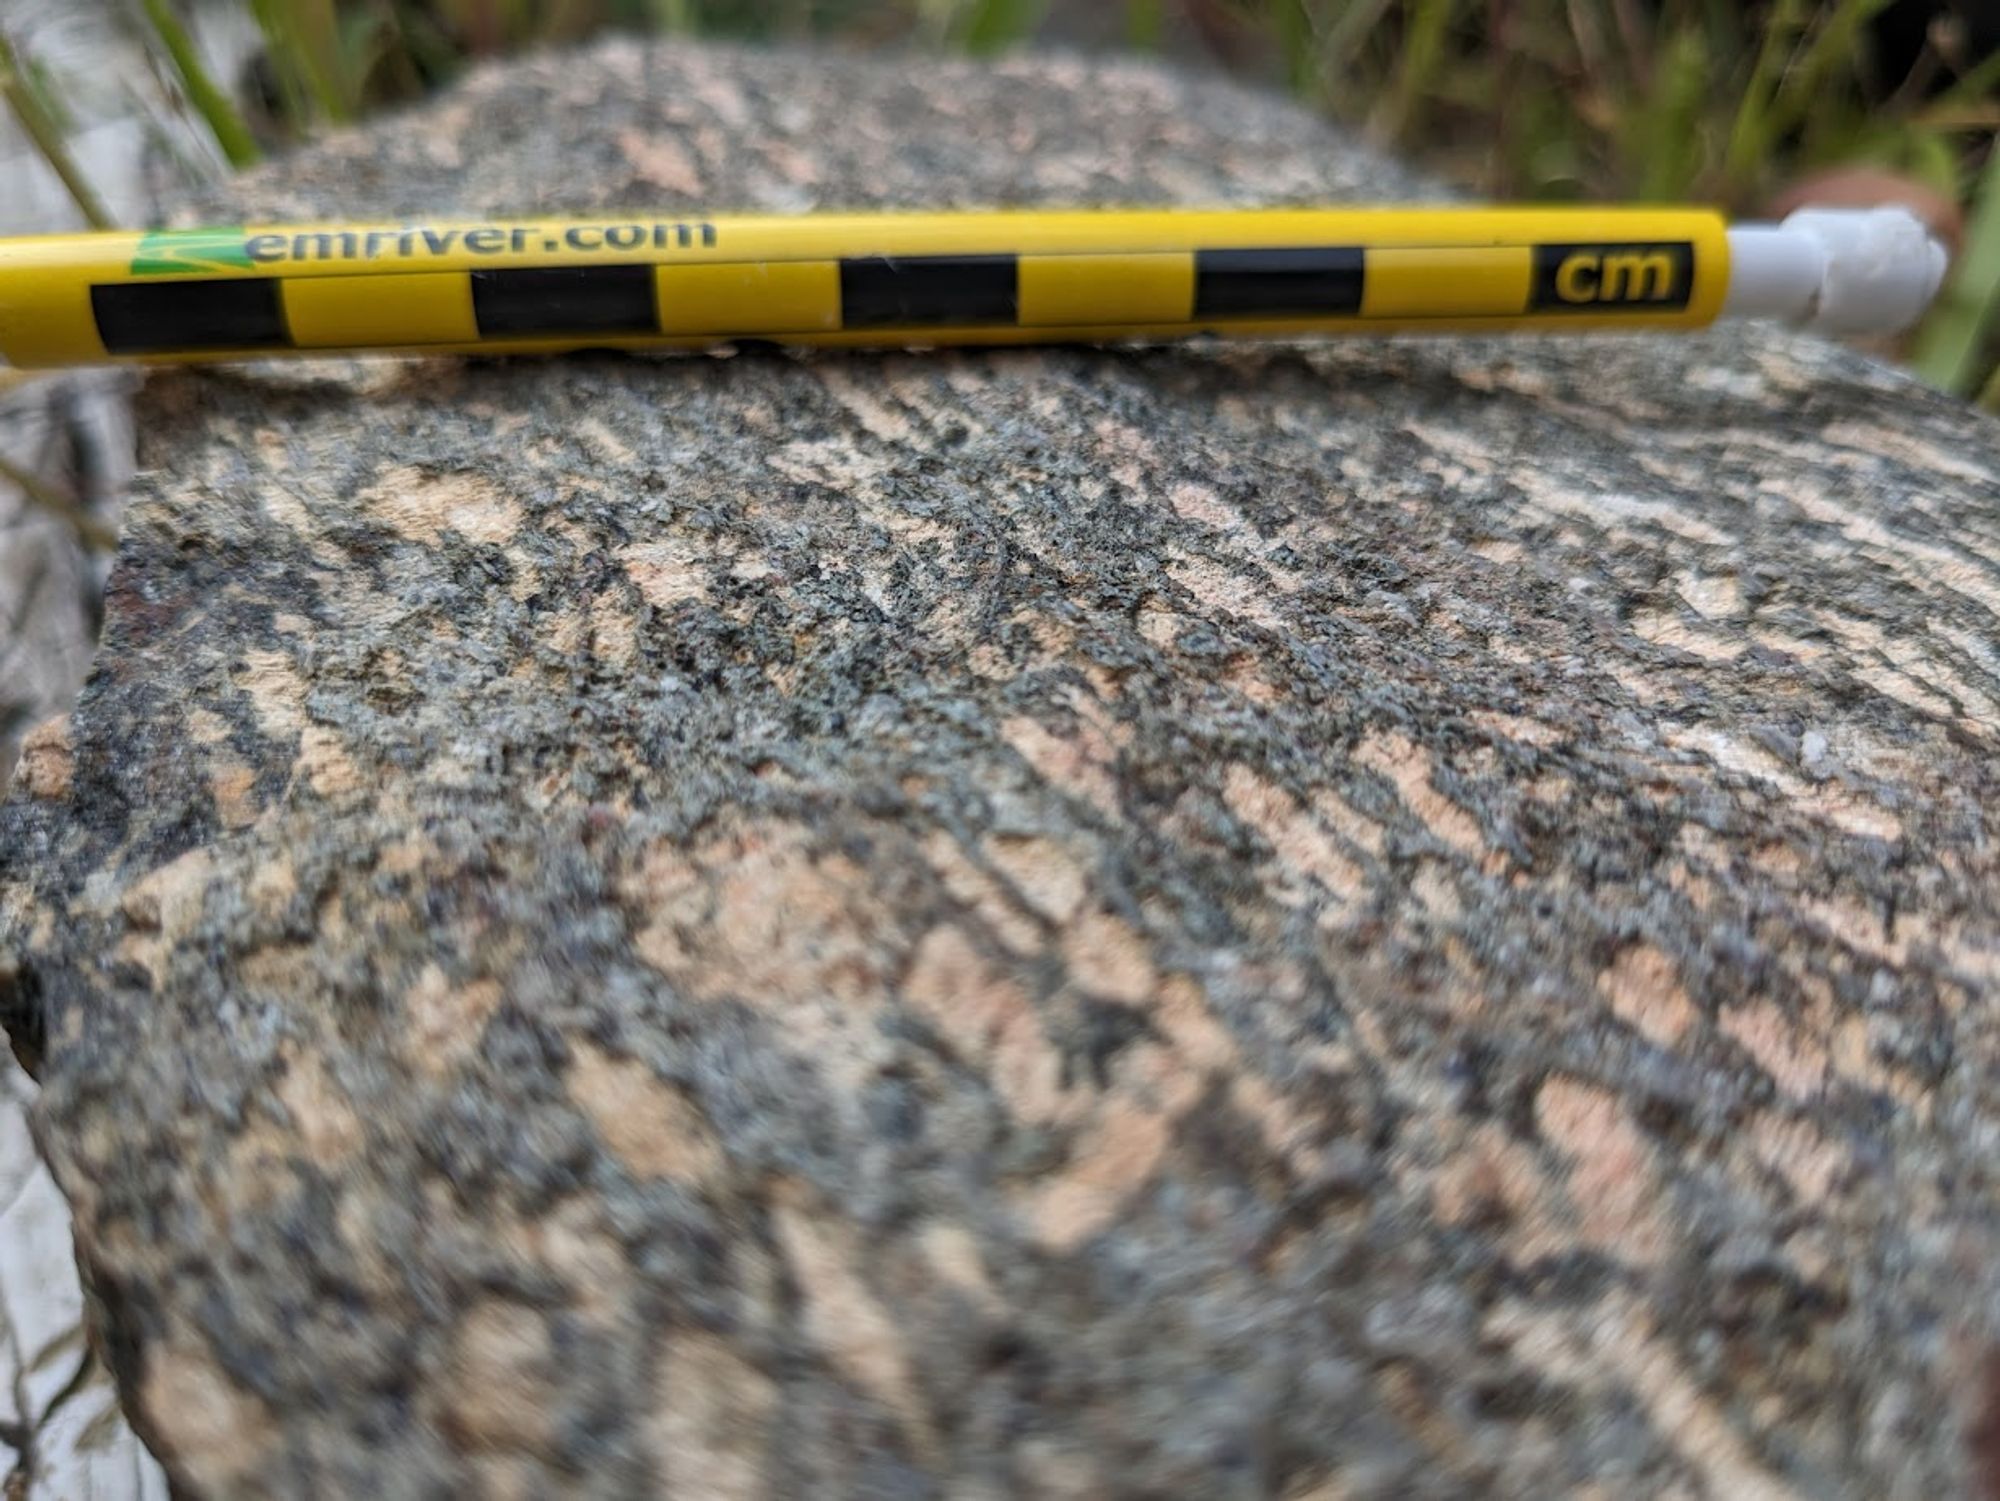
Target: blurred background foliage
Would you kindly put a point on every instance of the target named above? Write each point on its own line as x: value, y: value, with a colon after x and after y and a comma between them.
x: 1748, y: 105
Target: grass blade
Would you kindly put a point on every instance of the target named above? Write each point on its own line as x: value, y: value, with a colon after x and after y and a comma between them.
x: 1954, y: 338
x: 1667, y: 141
x: 1834, y: 44
x: 1427, y: 24
x: 302, y: 38
x: 1989, y: 398
x: 40, y: 128
x: 224, y: 123
x: 1145, y: 24
x: 1299, y: 46
x: 1751, y: 138
x: 1973, y: 86
x: 994, y: 25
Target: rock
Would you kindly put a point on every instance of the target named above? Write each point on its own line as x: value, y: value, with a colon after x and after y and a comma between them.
x: 1228, y: 921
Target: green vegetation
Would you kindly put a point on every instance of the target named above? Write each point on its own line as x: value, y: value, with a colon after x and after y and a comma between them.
x: 217, y: 111
x: 1708, y: 100
x: 42, y: 123
x: 1954, y: 347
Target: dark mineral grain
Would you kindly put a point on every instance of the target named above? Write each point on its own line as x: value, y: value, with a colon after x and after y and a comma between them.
x: 1380, y: 920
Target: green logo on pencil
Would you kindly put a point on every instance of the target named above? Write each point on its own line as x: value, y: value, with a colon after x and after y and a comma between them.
x: 179, y: 252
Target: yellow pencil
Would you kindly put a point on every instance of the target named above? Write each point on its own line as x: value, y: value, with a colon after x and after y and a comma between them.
x: 542, y: 286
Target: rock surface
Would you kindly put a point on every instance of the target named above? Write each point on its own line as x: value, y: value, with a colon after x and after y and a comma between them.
x: 1382, y: 920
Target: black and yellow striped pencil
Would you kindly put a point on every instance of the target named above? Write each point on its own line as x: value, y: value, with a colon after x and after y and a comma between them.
x: 542, y: 286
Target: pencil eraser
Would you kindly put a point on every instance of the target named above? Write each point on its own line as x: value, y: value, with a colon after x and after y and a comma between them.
x: 1844, y: 272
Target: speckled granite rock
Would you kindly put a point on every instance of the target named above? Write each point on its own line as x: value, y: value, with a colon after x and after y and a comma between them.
x: 1365, y: 921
